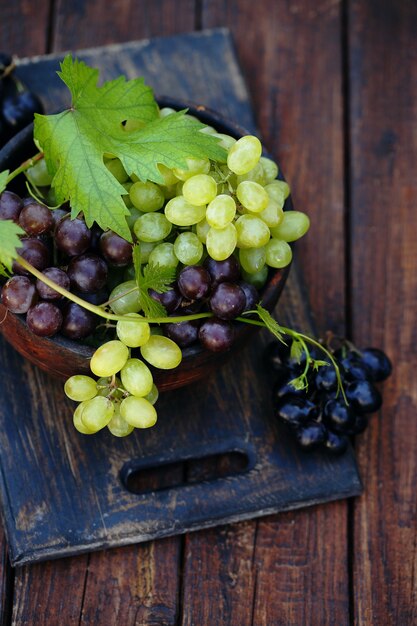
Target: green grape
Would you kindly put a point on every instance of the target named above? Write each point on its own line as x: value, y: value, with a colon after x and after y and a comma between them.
x: 244, y: 154
x: 252, y: 260
x: 138, y: 412
x: 181, y: 213
x: 146, y: 197
x: 252, y: 232
x: 294, y: 225
x: 221, y: 242
x: 256, y: 174
x: 134, y: 214
x: 163, y: 255
x: 38, y: 174
x: 161, y: 352
x: 278, y: 190
x: 168, y: 175
x: 226, y: 141
x: 202, y: 229
x: 252, y: 196
x: 136, y: 378
x: 80, y: 388
x: 118, y: 426
x: 152, y: 227
x: 103, y: 385
x: 200, y: 189
x: 194, y: 166
x: 133, y: 334
x: 270, y: 169
x: 170, y: 191
x: 278, y: 253
x: 78, y: 424
x: 272, y: 215
x: 109, y: 358
x: 188, y: 248
x: 258, y: 279
x: 145, y: 248
x: 97, y: 413
x: 165, y: 111
x: 125, y: 298
x: 153, y: 395
x: 116, y: 168
x: 221, y: 211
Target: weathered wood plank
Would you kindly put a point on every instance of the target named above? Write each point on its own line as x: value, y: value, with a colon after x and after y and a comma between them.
x: 291, y: 58
x: 383, y: 79
x: 24, y: 27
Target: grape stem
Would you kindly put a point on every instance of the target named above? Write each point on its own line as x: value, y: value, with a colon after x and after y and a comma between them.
x: 24, y: 166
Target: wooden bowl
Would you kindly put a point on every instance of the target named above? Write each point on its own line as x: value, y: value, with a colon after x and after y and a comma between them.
x: 63, y: 357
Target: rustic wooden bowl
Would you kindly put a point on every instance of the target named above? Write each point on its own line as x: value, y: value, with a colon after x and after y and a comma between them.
x: 63, y: 357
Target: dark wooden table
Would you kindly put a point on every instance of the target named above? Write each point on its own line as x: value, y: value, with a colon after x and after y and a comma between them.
x: 334, y: 85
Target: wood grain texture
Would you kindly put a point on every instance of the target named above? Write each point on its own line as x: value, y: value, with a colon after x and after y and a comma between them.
x: 24, y: 27
x: 383, y: 77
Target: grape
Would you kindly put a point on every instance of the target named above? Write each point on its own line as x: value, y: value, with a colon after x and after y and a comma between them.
x: 252, y: 196
x: 251, y: 295
x: 226, y: 141
x: 188, y: 248
x: 202, y: 229
x: 194, y: 282
x: 363, y: 396
x: 252, y: 232
x: 44, y: 319
x: 194, y: 166
x: 96, y: 413
x: 311, y: 435
x: 221, y: 211
x: 38, y: 174
x: 163, y: 255
x: 125, y: 298
x: 161, y: 352
x: 18, y: 110
x: 227, y: 301
x: 216, y: 335
x: 116, y: 168
x: 34, y: 252
x: 136, y: 378
x: 337, y: 416
x: 183, y: 333
x: 57, y: 215
x: 278, y: 190
x: 169, y: 177
x: 256, y: 174
x: 257, y: 279
x: 88, y: 273
x: 227, y: 270
x: 116, y: 250
x: 118, y: 426
x: 109, y: 358
x: 294, y: 225
x: 336, y: 443
x: 252, y: 260
x: 378, y: 363
x: 78, y: 425
x: 293, y: 410
x: 59, y: 277
x: 153, y: 395
x: 244, y: 154
x: 182, y: 213
x: 133, y: 334
x: 72, y: 236
x: 78, y: 323
x: 36, y: 219
x: 270, y: 169
x: 146, y: 197
x: 18, y: 294
x: 138, y: 412
x: 170, y: 299
x: 80, y: 388
x: 199, y: 189
x: 278, y: 253
x: 10, y: 206
x: 152, y: 227
x: 272, y: 215
x: 221, y: 242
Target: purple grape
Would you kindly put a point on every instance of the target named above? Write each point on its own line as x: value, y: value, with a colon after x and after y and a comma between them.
x: 44, y: 319
x: 34, y: 252
x: 251, y: 295
x: 36, y: 219
x: 216, y: 335
x: 72, y: 236
x: 97, y: 298
x: 78, y: 323
x: 116, y: 250
x: 18, y: 294
x: 58, y: 276
x: 183, y: 333
x: 223, y: 271
x: 194, y: 282
x: 10, y: 206
x: 57, y: 215
x: 170, y: 299
x: 88, y: 273
x: 227, y: 301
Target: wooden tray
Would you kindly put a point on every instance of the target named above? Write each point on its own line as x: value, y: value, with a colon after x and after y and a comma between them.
x: 63, y: 493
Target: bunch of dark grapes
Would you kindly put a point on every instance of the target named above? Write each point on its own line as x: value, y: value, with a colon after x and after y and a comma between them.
x: 17, y: 104
x: 318, y: 415
x: 215, y: 286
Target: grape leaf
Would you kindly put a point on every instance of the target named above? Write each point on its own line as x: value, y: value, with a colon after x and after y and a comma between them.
x: 151, y: 277
x: 271, y: 324
x: 3, y: 180
x: 9, y: 241
x: 76, y: 140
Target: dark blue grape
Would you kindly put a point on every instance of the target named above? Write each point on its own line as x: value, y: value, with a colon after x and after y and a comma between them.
x: 295, y: 411
x: 363, y: 396
x: 338, y: 416
x: 377, y: 362
x: 336, y: 443
x: 311, y: 435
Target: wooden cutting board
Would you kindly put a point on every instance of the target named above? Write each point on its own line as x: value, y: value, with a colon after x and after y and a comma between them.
x: 63, y: 493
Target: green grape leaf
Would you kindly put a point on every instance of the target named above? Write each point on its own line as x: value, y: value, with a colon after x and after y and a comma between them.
x: 271, y: 324
x: 76, y: 140
x: 9, y: 242
x: 151, y: 277
x: 3, y: 180
x: 296, y: 350
x: 317, y: 363
x: 299, y: 383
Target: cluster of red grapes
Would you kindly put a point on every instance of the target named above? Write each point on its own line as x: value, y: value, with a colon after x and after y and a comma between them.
x: 17, y: 104
x: 318, y: 416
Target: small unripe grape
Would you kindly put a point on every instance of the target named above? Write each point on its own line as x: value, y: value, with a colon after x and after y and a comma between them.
x: 80, y: 388
x: 278, y: 253
x: 109, y: 358
x: 138, y: 412
x: 252, y: 260
x: 125, y: 298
